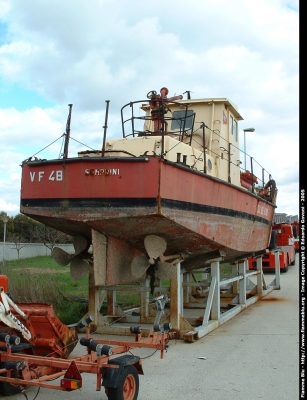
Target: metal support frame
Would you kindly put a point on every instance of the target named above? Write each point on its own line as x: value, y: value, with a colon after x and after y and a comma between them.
x: 243, y: 290
x: 235, y: 293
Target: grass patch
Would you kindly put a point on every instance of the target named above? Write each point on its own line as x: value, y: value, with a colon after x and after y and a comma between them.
x: 225, y: 269
x: 41, y: 280
x: 46, y: 272
x: 35, y: 262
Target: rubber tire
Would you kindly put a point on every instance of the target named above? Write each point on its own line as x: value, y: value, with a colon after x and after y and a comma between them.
x: 128, y: 378
x: 293, y: 262
x: 294, y: 229
x: 273, y: 241
x: 284, y: 270
x: 6, y: 389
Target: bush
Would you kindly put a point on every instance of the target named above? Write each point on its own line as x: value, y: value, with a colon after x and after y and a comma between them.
x: 71, y: 312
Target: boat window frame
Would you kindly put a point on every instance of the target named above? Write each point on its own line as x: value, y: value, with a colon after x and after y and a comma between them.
x: 235, y: 131
x: 189, y: 119
x: 233, y: 127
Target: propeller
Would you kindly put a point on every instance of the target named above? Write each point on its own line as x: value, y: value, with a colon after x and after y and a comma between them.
x: 154, y: 262
x: 78, y: 266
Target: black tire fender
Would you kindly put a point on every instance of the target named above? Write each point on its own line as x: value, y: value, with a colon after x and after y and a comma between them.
x: 127, y: 385
x: 111, y: 376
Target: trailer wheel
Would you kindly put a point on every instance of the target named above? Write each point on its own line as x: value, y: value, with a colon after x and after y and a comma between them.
x: 128, y: 385
x: 6, y: 389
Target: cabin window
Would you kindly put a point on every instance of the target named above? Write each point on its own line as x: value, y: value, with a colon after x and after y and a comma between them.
x: 178, y: 121
x: 231, y: 124
x: 233, y: 128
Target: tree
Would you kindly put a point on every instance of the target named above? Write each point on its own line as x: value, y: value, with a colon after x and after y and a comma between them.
x: 51, y: 237
x: 23, y: 229
x: 18, y: 243
x: 9, y: 224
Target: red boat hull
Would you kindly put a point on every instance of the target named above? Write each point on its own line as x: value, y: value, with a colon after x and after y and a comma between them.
x: 130, y: 198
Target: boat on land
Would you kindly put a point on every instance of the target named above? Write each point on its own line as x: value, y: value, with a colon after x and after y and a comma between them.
x: 171, y: 189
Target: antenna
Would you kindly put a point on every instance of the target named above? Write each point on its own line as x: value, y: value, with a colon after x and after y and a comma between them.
x: 105, y: 127
x: 67, y: 134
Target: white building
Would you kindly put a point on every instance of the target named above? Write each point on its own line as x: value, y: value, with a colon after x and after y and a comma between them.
x: 282, y: 217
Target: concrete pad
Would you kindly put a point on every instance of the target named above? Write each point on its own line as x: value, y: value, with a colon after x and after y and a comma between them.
x: 253, y: 356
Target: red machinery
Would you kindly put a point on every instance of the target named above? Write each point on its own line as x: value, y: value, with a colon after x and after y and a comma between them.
x: 36, y: 325
x: 296, y: 234
x: 283, y: 240
x: 158, y: 106
x: 248, y: 180
x: 25, y: 364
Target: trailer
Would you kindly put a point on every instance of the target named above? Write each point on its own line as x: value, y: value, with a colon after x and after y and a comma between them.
x: 22, y: 363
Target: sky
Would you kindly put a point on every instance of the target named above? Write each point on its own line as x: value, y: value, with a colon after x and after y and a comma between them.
x: 55, y: 52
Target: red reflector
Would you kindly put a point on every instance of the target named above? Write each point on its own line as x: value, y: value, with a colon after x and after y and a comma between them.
x: 71, y: 384
x: 72, y: 379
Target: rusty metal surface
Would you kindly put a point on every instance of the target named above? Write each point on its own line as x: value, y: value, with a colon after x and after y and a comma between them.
x: 119, y: 258
x: 49, y: 335
x: 229, y: 233
x: 196, y: 214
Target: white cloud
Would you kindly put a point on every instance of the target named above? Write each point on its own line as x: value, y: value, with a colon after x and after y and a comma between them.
x: 28, y: 128
x: 4, y: 7
x: 10, y: 208
x: 9, y: 184
x: 85, y: 53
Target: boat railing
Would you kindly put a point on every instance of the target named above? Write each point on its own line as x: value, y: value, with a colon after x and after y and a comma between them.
x: 254, y: 176
x: 157, y: 121
x: 260, y: 175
